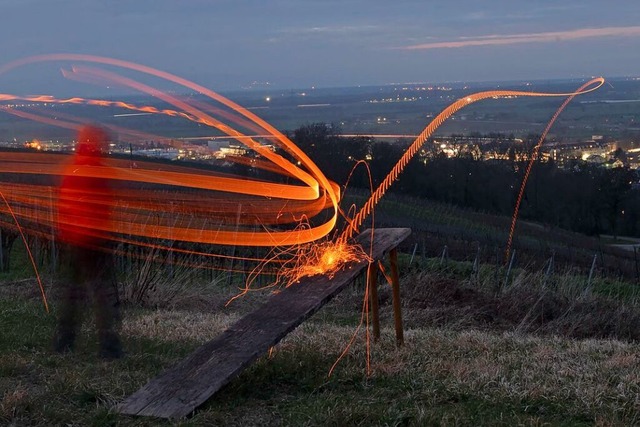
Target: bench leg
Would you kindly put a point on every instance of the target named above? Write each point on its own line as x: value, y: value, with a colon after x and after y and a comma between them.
x: 397, y: 310
x: 372, y: 276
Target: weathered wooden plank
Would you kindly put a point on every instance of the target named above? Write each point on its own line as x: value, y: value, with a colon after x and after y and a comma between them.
x: 178, y: 391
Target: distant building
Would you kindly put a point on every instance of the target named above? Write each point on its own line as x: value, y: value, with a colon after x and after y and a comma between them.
x: 232, y: 150
x: 614, y: 164
x: 162, y: 153
x: 595, y: 158
x: 216, y: 144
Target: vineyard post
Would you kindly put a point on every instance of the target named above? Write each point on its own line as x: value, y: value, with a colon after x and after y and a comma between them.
x: 506, y: 279
x: 413, y: 254
x: 445, y: 255
x: 593, y: 267
x: 635, y: 259
x: 475, y: 269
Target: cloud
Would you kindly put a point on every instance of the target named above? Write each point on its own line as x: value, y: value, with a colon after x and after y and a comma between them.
x: 342, y: 29
x: 329, y: 33
x: 552, y: 36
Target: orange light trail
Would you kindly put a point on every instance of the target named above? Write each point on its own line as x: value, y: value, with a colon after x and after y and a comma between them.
x: 290, y: 211
x: 367, y: 208
x: 134, y: 207
x: 277, y: 135
x: 534, y: 156
x: 280, y: 203
x: 29, y: 253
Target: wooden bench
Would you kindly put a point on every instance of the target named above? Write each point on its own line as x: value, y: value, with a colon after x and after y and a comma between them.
x: 178, y: 391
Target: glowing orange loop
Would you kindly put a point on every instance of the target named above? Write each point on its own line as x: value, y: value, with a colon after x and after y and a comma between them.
x: 304, y: 159
x: 326, y: 194
x: 428, y: 131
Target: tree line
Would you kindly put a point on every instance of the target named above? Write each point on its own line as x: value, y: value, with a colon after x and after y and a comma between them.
x: 579, y: 196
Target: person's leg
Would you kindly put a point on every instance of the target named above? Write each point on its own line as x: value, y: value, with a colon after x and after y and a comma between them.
x: 72, y: 296
x: 106, y: 307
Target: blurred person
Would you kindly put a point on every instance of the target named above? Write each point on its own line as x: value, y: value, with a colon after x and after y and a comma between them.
x: 84, y: 211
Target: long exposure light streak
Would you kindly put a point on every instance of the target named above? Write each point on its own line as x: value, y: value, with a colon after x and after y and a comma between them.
x: 534, y: 156
x: 275, y: 198
x: 289, y: 207
x: 29, y: 253
x: 277, y: 135
x: 428, y: 131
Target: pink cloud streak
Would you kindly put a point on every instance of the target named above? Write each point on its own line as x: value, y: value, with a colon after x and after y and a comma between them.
x: 494, y: 40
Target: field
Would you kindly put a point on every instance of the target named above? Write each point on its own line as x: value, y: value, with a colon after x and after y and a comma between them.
x: 483, y: 347
x: 470, y: 236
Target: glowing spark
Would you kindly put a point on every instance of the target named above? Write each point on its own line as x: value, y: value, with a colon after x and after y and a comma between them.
x: 326, y: 258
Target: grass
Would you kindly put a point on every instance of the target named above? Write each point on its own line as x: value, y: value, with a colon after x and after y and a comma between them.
x: 450, y: 371
x: 20, y: 267
x: 464, y: 231
x: 566, y: 281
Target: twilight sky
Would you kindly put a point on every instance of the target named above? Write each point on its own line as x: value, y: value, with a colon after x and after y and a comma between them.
x: 227, y: 44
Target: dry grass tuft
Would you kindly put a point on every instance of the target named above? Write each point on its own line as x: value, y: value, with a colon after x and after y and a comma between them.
x: 174, y: 325
x: 431, y: 299
x: 14, y: 403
